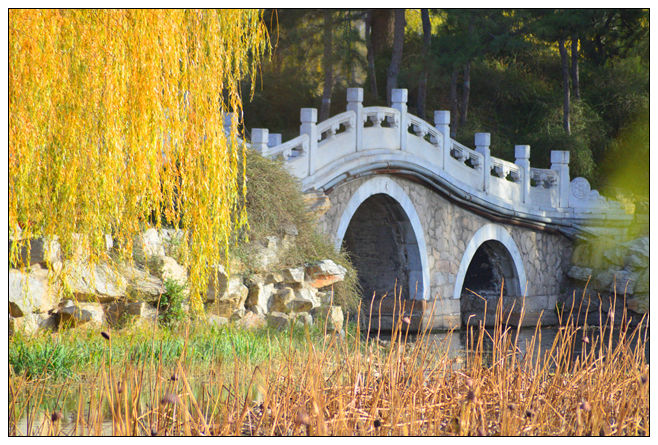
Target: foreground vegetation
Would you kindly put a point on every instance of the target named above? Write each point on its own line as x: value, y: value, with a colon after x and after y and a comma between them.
x: 308, y: 382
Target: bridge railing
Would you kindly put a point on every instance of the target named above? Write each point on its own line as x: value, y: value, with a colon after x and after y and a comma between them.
x: 376, y: 133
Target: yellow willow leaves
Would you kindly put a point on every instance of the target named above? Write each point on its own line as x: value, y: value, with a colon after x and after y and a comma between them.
x: 115, y: 121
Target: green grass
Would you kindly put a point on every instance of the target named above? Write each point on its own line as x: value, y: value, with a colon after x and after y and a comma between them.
x: 74, y: 354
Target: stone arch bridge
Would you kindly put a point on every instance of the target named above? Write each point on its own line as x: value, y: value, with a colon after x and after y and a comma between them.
x: 442, y: 221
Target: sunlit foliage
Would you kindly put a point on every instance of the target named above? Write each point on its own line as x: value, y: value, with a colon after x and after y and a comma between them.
x: 115, y: 122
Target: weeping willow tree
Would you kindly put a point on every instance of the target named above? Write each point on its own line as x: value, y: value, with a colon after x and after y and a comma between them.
x: 116, y: 122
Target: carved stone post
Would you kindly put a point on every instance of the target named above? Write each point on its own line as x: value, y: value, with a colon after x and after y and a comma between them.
x: 442, y: 123
x: 259, y: 139
x: 522, y: 155
x: 309, y: 119
x: 274, y: 140
x: 399, y: 102
x: 355, y: 103
x: 560, y: 164
x: 482, y: 143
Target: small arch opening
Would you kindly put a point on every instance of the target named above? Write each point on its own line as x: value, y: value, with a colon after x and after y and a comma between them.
x: 384, y: 250
x: 490, y: 271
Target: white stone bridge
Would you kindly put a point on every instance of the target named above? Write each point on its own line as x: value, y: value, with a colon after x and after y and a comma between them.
x: 417, y: 208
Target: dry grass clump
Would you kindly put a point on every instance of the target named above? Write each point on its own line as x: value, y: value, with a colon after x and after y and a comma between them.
x: 355, y: 386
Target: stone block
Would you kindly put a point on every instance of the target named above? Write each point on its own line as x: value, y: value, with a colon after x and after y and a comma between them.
x: 278, y: 320
x: 325, y: 273
x: 252, y: 320
x: 30, y: 292
x: 280, y: 301
x: 333, y: 315
x: 72, y: 314
x: 579, y: 273
x: 303, y: 319
x: 43, y: 251
x: 147, y: 245
x: 259, y: 294
x: 639, y: 303
x: 216, y: 320
x: 101, y: 282
x: 293, y: 275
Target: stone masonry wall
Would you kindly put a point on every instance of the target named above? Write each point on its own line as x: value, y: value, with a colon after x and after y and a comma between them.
x: 448, y: 229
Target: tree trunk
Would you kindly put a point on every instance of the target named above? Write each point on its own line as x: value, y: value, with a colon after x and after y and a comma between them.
x: 325, y: 107
x: 422, y: 82
x: 396, y: 56
x: 371, y: 55
x: 466, y: 93
x: 575, y: 77
x: 565, y: 86
x: 454, y: 105
x: 381, y: 23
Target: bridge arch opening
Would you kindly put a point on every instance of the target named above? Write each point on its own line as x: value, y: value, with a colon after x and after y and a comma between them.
x: 491, y: 263
x: 384, y: 249
x: 382, y: 231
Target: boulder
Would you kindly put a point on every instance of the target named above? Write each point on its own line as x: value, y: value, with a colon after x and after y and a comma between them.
x: 100, y: 282
x: 303, y: 319
x: 32, y: 323
x: 640, y: 248
x: 305, y: 300
x: 278, y: 320
x: 259, y: 295
x: 252, y: 320
x: 622, y: 283
x: 166, y: 268
x: 602, y: 279
x: 293, y: 275
x: 147, y: 245
x: 639, y: 303
x: 117, y: 312
x: 642, y: 282
x: 325, y: 273
x: 141, y: 285
x: 44, y: 251
x: 579, y: 273
x: 72, y: 314
x: 280, y: 301
x: 30, y: 292
x: 172, y: 241
x: 615, y: 255
x: 217, y: 283
x: 227, y: 296
x: 266, y: 252
x: 332, y: 314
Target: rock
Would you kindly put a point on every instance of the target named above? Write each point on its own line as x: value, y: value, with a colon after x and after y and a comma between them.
x: 274, y: 277
x: 172, y: 242
x: 32, y: 323
x: 325, y: 273
x: 293, y: 275
x: 623, y: 283
x: 44, y: 251
x: 230, y: 298
x: 217, y: 283
x: 642, y: 282
x: 259, y: 295
x: 289, y: 229
x: 73, y: 314
x: 278, y: 320
x: 602, y: 279
x: 304, y: 300
x: 579, y: 273
x: 100, y: 282
x: 303, y: 319
x: 30, y: 292
x: 266, y: 252
x: 117, y: 312
x: 280, y: 301
x: 216, y: 320
x: 615, y: 255
x: 332, y: 314
x: 326, y: 298
x: 141, y: 285
x: 639, y: 303
x: 166, y: 268
x: 640, y: 248
x: 252, y: 320
x: 147, y: 245
x: 634, y: 261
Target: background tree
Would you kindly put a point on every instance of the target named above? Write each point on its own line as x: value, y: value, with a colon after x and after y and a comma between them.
x: 115, y: 122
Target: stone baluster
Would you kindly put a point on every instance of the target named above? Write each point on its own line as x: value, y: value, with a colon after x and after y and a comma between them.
x: 522, y: 155
x: 399, y: 102
x: 442, y: 124
x: 482, y: 143
x: 274, y: 140
x: 228, y: 118
x: 560, y: 165
x: 309, y: 119
x: 355, y: 103
x: 259, y: 139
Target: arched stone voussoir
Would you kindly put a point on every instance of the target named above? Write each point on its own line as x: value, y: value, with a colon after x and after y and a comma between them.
x: 491, y: 232
x: 388, y: 186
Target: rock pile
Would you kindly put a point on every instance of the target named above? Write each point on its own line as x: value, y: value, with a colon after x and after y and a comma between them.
x: 620, y: 269
x: 52, y: 293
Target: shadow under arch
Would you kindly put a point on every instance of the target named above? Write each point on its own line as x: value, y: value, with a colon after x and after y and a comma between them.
x: 379, y: 219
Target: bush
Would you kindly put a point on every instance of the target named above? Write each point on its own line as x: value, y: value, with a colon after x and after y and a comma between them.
x: 171, y: 303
